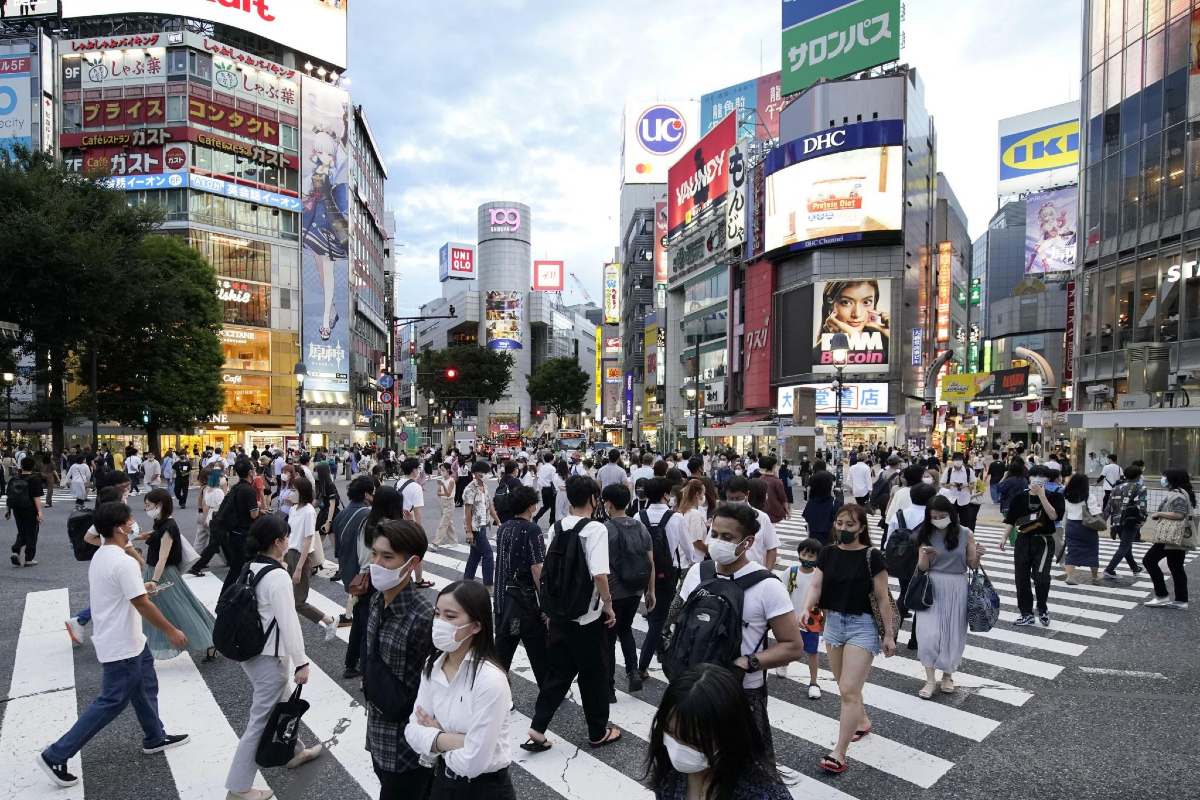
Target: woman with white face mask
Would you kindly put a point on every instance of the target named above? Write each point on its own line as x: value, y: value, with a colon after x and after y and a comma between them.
x: 704, y: 742
x: 461, y: 714
x: 164, y: 584
x: 947, y: 550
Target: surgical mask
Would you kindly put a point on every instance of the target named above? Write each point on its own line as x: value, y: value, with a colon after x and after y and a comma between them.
x: 444, y: 633
x: 723, y: 463
x: 722, y: 552
x: 137, y: 530
x: 1163, y: 481
x: 1039, y: 481
x: 958, y: 464
x: 804, y: 562
x: 153, y: 511
x: 738, y: 471
x: 383, y: 578
x: 941, y: 524
x: 927, y: 479
x: 687, y: 760
x: 847, y: 537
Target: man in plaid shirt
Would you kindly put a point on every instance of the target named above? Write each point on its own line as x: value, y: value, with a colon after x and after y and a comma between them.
x: 398, y: 634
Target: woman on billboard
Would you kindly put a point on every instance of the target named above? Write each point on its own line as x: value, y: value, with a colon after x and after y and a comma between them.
x: 325, y: 216
x: 857, y: 309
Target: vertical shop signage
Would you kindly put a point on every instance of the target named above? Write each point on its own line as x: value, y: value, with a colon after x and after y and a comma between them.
x: 1069, y: 361
x: 945, y: 252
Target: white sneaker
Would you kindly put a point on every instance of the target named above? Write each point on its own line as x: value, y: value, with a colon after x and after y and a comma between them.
x: 1159, y: 602
x: 789, y: 776
x: 76, y: 631
x: 331, y: 630
x: 814, y: 692
x: 1181, y: 606
x: 781, y: 671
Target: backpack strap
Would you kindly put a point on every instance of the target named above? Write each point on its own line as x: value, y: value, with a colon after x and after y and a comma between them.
x: 579, y: 526
x: 792, y: 579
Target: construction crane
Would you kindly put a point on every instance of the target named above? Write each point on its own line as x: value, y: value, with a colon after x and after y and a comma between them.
x: 582, y: 290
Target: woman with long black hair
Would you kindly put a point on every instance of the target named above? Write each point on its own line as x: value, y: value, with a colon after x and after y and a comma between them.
x: 1081, y: 542
x: 328, y: 500
x: 461, y: 712
x: 704, y: 742
x: 1179, y: 504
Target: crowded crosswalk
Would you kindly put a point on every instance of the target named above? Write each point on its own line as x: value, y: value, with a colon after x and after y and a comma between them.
x: 915, y: 744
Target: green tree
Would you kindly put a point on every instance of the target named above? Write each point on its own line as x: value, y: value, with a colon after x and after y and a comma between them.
x: 66, y: 244
x: 170, y: 358
x: 483, y: 373
x: 560, y: 385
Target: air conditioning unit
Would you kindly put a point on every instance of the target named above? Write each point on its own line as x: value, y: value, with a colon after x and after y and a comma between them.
x: 1149, y: 367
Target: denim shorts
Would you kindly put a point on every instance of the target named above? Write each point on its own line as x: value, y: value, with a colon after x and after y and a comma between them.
x: 855, y: 629
x: 811, y: 641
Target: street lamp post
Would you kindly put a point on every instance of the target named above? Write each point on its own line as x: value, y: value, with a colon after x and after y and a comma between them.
x: 637, y: 413
x: 300, y: 371
x: 693, y: 400
x: 840, y: 350
x: 9, y: 380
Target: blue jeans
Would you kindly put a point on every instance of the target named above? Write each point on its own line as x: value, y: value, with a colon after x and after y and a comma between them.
x: 995, y: 492
x: 85, y: 616
x: 482, y: 549
x: 856, y: 629
x: 129, y: 681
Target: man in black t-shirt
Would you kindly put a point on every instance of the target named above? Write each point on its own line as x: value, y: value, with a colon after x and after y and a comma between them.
x: 183, y: 470
x: 995, y: 474
x: 27, y: 508
x: 520, y: 550
x: 1033, y: 514
x: 509, y: 480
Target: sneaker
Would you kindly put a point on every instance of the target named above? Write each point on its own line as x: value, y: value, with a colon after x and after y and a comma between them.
x: 1181, y: 606
x: 172, y: 740
x: 789, y: 776
x: 1025, y: 620
x: 76, y: 631
x: 814, y: 692
x: 1072, y: 582
x: 350, y: 672
x: 1159, y: 602
x: 1044, y: 618
x: 15, y: 559
x: 635, y: 682
x: 781, y: 671
x: 1112, y: 576
x: 1138, y: 571
x: 344, y: 621
x: 330, y: 631
x: 57, y: 772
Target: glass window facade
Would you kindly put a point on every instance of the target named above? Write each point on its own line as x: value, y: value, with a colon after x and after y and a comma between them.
x: 246, y: 349
x: 233, y: 256
x: 704, y: 293
x: 247, y: 394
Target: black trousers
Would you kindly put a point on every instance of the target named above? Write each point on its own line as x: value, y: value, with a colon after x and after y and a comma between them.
x: 356, y: 646
x: 410, y: 785
x: 1032, y: 559
x: 1175, y: 563
x: 968, y: 515
x: 575, y: 650
x: 489, y: 786
x: 27, y: 532
x: 181, y: 491
x: 460, y: 483
x: 215, y: 545
x: 757, y: 700
x: 625, y: 609
x: 1124, y: 550
x: 547, y: 504
x: 664, y: 595
x: 520, y: 622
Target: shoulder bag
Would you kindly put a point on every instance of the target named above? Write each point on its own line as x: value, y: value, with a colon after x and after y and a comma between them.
x: 1172, y: 532
x: 876, y: 611
x: 919, y: 594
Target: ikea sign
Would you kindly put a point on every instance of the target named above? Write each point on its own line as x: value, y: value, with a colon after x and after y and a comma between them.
x: 1038, y: 151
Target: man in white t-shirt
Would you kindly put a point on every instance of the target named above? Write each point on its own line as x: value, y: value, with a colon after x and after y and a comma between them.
x: 133, y: 465
x: 576, y: 647
x: 412, y: 495
x: 860, y: 481
x: 765, y: 547
x: 119, y: 604
x: 766, y: 604
x: 646, y: 470
x: 545, y: 486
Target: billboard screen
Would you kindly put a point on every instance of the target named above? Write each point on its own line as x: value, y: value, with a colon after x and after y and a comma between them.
x: 945, y: 270
x: 701, y: 176
x: 862, y: 310
x: 314, y: 27
x: 456, y: 261
x: 29, y: 8
x: 1003, y: 384
x: 325, y: 232
x: 502, y: 320
x: 1038, y: 150
x: 762, y: 95
x: 612, y: 294
x: 16, y: 107
x: 1051, y: 220
x: 661, y: 273
x: 655, y: 134
x: 833, y: 38
x: 547, y: 276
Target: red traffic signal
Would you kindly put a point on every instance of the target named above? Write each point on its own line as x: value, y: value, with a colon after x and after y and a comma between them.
x: 538, y: 412
x: 451, y: 374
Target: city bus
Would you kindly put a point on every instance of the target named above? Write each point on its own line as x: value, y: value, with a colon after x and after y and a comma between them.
x: 570, y: 439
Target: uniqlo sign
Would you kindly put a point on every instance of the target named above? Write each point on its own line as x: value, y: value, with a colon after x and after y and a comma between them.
x: 456, y: 262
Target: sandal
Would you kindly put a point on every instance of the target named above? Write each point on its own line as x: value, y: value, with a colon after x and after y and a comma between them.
x: 531, y: 746
x: 831, y: 764
x: 210, y: 655
x: 423, y: 584
x: 860, y: 734
x: 947, y: 686
x: 608, y: 739
x: 926, y: 691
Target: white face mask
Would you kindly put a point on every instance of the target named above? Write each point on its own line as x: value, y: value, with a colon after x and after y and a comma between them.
x: 738, y: 471
x: 685, y: 759
x: 927, y: 479
x: 958, y: 464
x: 722, y: 552
x: 153, y: 511
x: 941, y: 524
x: 137, y: 530
x: 383, y: 578
x: 444, y: 633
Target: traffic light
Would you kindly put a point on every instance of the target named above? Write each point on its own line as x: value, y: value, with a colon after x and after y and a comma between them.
x: 145, y: 415
x: 451, y: 374
x: 537, y: 412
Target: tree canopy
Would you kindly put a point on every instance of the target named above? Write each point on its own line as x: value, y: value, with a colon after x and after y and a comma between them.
x: 482, y: 373
x: 560, y: 385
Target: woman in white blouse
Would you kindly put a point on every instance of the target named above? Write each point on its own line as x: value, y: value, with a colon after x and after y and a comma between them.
x: 304, y: 553
x: 695, y: 520
x: 461, y: 713
x: 284, y: 650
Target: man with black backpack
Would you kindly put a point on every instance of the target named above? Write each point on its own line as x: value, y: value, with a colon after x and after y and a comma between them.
x: 520, y: 551
x: 730, y: 603
x: 228, y: 526
x: 575, y: 595
x: 631, y: 561
x: 24, y: 494
x: 673, y: 553
x: 503, y: 501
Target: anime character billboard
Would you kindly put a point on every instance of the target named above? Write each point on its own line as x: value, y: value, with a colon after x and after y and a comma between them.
x: 325, y: 234
x: 1051, y: 222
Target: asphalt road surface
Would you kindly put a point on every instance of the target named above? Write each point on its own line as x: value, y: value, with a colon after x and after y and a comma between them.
x: 1102, y: 704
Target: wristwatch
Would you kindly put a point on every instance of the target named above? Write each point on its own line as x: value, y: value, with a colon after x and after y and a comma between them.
x: 752, y: 664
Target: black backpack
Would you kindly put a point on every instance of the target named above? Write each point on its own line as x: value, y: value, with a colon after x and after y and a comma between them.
x: 881, y: 491
x: 18, y: 493
x: 566, y: 584
x: 664, y: 562
x: 709, y: 627
x: 502, y: 501
x: 628, y: 560
x: 78, y: 524
x: 238, y: 632
x: 221, y: 523
x: 901, y: 551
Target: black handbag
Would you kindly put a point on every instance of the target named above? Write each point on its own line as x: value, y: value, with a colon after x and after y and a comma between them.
x: 383, y: 690
x: 919, y: 594
x: 278, y: 743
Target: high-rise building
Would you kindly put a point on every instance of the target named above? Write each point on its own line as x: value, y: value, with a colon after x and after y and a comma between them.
x: 1135, y: 319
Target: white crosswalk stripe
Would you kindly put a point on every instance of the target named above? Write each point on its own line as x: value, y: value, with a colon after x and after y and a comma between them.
x: 61, y: 495
x: 914, y: 742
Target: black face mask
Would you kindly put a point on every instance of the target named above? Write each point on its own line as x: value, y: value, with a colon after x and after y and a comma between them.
x: 847, y: 537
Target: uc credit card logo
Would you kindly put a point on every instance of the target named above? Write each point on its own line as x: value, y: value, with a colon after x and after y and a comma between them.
x: 661, y: 130
x: 1049, y: 147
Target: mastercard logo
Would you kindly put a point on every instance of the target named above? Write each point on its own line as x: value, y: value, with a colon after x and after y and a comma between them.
x: 643, y: 169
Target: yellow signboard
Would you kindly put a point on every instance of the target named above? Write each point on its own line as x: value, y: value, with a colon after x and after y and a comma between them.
x: 599, y: 367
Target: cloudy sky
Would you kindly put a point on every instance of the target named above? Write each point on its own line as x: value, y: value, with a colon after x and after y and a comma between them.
x: 478, y: 100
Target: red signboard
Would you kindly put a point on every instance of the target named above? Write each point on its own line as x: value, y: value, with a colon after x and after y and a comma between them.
x: 756, y: 346
x: 701, y: 177
x: 945, y: 253
x: 126, y: 160
x: 230, y: 120
x: 1069, y: 359
x: 268, y: 158
x: 462, y: 261
x: 143, y: 137
x: 127, y: 113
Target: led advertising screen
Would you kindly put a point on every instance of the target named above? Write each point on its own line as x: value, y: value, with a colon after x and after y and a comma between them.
x: 314, y: 27
x: 1051, y: 220
x: 701, y: 176
x: 861, y: 309
x: 835, y: 198
x: 502, y: 320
